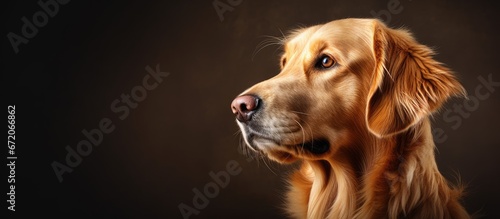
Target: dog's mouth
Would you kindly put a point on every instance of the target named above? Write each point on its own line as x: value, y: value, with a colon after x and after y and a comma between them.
x: 317, y: 147
x: 283, y: 148
x: 314, y: 147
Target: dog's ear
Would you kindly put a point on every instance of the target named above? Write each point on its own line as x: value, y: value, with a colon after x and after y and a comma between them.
x: 406, y: 84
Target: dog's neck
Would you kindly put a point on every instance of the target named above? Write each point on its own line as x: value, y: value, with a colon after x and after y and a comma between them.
x: 362, y: 180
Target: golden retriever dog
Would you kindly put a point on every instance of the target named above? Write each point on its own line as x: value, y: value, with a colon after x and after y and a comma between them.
x: 352, y: 103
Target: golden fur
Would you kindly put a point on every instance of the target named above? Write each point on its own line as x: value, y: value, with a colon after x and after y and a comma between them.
x: 371, y: 108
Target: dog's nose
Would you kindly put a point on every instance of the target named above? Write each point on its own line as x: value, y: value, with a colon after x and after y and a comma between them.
x: 244, y: 107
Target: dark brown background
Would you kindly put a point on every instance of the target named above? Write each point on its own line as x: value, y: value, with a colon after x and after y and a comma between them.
x: 91, y: 52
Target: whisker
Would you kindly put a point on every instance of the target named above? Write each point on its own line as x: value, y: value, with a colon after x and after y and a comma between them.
x: 310, y: 130
x: 272, y: 40
x: 237, y: 132
x: 303, y: 135
x: 298, y: 112
x: 289, y: 131
x: 268, y: 167
x: 284, y: 39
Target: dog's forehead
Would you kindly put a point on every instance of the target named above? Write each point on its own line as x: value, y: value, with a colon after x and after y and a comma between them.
x: 300, y: 37
x: 339, y: 32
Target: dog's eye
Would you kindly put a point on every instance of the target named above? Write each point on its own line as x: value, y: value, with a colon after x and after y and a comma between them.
x: 325, y: 62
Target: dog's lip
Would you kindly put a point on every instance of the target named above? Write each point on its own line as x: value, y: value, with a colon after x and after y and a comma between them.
x: 316, y: 146
x: 254, y: 139
x: 252, y: 134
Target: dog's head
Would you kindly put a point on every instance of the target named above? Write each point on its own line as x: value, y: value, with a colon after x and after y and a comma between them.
x: 337, y: 81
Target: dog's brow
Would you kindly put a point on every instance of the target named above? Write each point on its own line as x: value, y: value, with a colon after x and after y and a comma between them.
x: 300, y: 37
x: 317, y: 46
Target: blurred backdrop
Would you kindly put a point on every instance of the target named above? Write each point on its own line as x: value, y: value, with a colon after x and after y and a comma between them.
x: 136, y: 95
